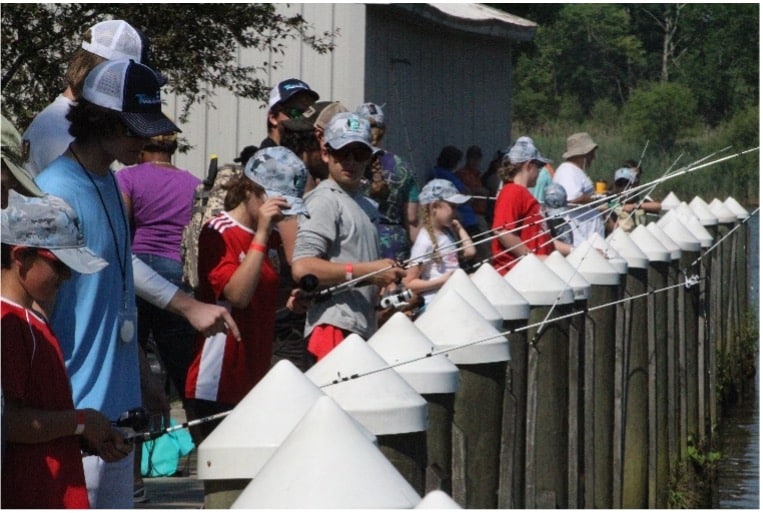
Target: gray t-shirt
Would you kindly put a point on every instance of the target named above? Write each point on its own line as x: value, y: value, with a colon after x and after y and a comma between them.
x: 341, y: 228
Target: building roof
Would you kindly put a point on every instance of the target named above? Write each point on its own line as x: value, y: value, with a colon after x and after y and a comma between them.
x: 475, y: 19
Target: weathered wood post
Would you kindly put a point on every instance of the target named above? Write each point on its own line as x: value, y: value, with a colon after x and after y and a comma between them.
x: 582, y: 292
x: 709, y: 223
x: 436, y: 378
x: 635, y: 490
x: 657, y: 341
x: 480, y: 352
x: 515, y: 311
x: 546, y: 452
x: 598, y: 375
x: 688, y: 297
x: 673, y: 334
x: 720, y: 283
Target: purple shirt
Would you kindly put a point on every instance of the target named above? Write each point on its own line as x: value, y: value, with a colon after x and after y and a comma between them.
x: 162, y: 199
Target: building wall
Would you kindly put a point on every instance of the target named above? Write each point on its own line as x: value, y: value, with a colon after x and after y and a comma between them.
x: 439, y: 87
x: 230, y: 123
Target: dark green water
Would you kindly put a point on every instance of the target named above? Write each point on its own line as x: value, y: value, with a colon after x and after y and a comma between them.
x: 739, y: 468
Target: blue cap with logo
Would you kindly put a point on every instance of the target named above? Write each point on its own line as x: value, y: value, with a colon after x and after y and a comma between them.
x: 48, y: 222
x: 281, y: 173
x: 288, y: 88
x: 133, y: 90
x: 346, y: 128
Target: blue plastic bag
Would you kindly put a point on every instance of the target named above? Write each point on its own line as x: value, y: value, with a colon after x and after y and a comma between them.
x: 162, y: 456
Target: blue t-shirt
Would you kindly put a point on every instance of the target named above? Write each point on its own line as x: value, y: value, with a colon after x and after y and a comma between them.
x: 103, y: 369
x: 465, y: 212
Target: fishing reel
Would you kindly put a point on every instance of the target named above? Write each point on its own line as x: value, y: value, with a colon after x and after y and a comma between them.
x: 398, y: 299
x: 136, y: 419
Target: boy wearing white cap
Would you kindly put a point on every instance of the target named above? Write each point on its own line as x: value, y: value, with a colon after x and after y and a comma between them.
x: 339, y: 242
x: 42, y: 464
x: 95, y: 315
x: 48, y: 135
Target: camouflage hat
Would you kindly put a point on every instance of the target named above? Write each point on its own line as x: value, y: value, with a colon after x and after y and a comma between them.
x: 443, y: 190
x: 13, y: 158
x: 308, y: 118
x: 281, y: 173
x: 347, y: 128
x: 372, y: 112
x: 48, y: 222
x: 554, y: 198
x: 523, y: 150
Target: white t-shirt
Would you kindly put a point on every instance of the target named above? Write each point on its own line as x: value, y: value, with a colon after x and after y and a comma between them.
x: 584, y: 220
x: 48, y: 135
x: 430, y: 270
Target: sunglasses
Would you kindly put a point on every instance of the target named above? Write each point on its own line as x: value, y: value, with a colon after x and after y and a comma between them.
x: 359, y: 154
x: 58, y: 265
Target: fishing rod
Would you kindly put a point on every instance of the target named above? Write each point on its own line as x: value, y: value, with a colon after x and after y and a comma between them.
x: 642, y: 155
x: 499, y: 231
x: 146, y: 436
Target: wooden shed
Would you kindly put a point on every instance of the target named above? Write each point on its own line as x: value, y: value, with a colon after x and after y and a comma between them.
x: 442, y: 73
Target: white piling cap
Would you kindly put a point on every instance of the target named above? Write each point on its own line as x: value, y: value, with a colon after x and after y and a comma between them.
x: 651, y: 245
x: 736, y: 207
x: 722, y: 212
x: 399, y: 340
x: 700, y: 232
x: 674, y: 227
x: 507, y: 300
x: 538, y: 283
x: 614, y: 258
x: 702, y: 210
x: 249, y: 435
x: 460, y: 282
x: 452, y: 322
x: 580, y: 286
x: 326, y: 462
x: 592, y: 265
x: 621, y: 242
x: 437, y: 499
x: 382, y: 401
x: 670, y: 202
x: 665, y: 240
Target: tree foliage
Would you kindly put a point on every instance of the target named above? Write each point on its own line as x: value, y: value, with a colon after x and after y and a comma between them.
x: 193, y: 45
x: 588, y: 53
x: 661, y: 113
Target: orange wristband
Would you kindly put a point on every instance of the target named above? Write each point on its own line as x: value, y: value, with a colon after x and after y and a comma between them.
x: 347, y: 272
x: 256, y: 246
x: 80, y: 422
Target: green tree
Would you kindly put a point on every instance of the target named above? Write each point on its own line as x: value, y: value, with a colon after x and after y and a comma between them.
x: 661, y: 113
x: 193, y: 45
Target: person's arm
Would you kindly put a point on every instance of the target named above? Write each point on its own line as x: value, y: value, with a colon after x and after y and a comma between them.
x: 243, y: 282
x: 378, y: 272
x: 287, y: 228
x: 513, y: 244
x: 158, y: 291
x: 412, y: 220
x: 466, y: 246
x: 419, y: 285
x: 33, y: 426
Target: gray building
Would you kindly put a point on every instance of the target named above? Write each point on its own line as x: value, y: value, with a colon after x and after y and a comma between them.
x: 441, y: 71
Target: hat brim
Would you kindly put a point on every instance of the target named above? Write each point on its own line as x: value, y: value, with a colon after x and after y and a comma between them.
x: 300, y: 124
x: 23, y: 177
x: 344, y: 141
x: 81, y: 260
x: 296, y: 205
x: 458, y: 199
x: 580, y: 151
x: 148, y: 124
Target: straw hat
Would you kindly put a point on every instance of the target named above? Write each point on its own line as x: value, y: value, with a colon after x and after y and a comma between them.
x: 579, y: 144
